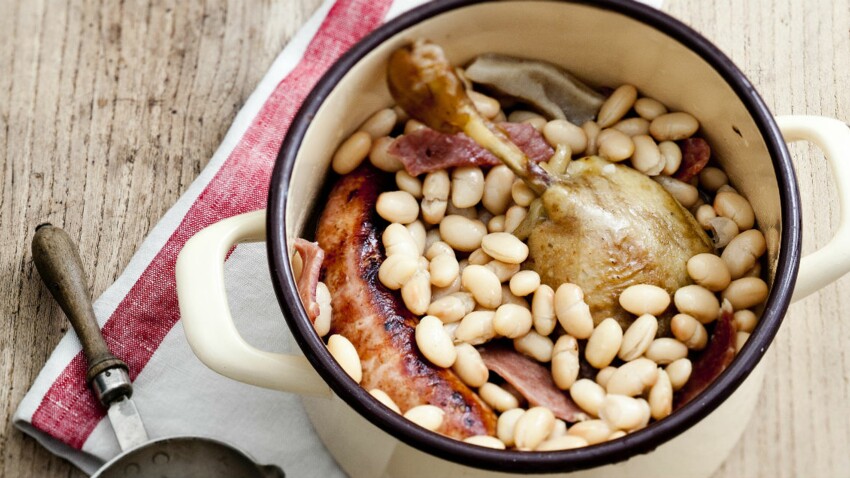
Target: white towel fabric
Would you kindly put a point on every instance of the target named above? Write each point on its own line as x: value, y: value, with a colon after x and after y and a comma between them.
x: 175, y: 393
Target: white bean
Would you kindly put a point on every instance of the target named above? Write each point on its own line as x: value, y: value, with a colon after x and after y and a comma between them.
x: 735, y: 207
x: 615, y: 145
x: 505, y: 247
x: 478, y: 257
x: 591, y: 130
x: 560, y: 131
x: 689, y: 331
x: 622, y: 412
x: 743, y: 252
x: 398, y: 240
x: 380, y: 156
x: 704, y: 215
x: 496, y: 224
x: 428, y: 417
x: 746, y: 292
x: 512, y: 321
x: 709, y: 271
x: 476, y: 327
x: 485, y: 287
x: 486, y: 441
x: 461, y: 233
x: 416, y: 292
x: 604, y: 375
x: 351, y: 152
x: 632, y: 127
x: 723, y: 230
x: 497, y: 189
x: 617, y: 105
x: 488, y: 107
x: 524, y: 283
x: 397, y: 206
x: 469, y: 366
x: 419, y: 235
x: 661, y: 396
x: 604, y: 343
x: 593, y: 431
x: 588, y: 395
x: 665, y: 350
x: 559, y: 430
x: 672, y: 155
x: 497, y: 397
x: 647, y: 157
x: 637, y: 337
x: 397, y: 269
x: 381, y: 123
x: 740, y: 340
x: 434, y: 343
x: 467, y: 186
x: 679, y: 373
x: 572, y: 312
x: 536, y: 346
x: 385, y: 399
x: 649, y: 108
x: 345, y: 354
x: 686, y: 194
x: 565, y: 362
x: 711, y: 179
x: 673, y: 126
x: 632, y: 378
x: 566, y: 442
x: 645, y: 299
x: 522, y: 194
x: 448, y: 309
x: 444, y: 270
x: 412, y: 126
x: 506, y: 425
x: 533, y: 427
x: 745, y: 320
x: 503, y: 270
x: 698, y: 302
x: 513, y: 217
x: 323, y: 321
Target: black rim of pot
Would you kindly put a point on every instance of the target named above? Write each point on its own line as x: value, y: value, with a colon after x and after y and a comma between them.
x: 642, y: 441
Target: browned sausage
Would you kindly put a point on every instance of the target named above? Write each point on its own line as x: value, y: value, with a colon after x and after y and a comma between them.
x: 375, y: 319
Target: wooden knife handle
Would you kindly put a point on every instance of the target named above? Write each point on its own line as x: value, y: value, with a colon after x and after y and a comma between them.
x: 58, y: 262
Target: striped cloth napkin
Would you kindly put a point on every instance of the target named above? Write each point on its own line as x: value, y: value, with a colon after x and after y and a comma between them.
x: 175, y: 393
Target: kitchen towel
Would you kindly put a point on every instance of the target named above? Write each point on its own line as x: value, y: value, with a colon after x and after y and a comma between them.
x: 175, y: 393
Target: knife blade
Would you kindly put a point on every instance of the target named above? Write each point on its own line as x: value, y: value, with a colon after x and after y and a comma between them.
x: 58, y: 262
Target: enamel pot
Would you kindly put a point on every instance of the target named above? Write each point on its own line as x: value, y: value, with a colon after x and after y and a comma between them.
x: 606, y: 42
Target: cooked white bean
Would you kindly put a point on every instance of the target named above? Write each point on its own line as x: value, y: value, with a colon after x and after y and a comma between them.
x: 521, y: 116
x: 637, y: 337
x: 565, y: 362
x: 476, y: 327
x: 539, y: 347
x: 488, y: 107
x: 467, y: 299
x: 615, y: 145
x: 437, y: 248
x: 440, y: 292
x: 469, y: 366
x: 588, y: 395
x: 672, y: 155
x: 478, y: 257
x: 645, y: 299
x: 436, y: 185
x: 673, y: 126
x: 323, y: 321
x: 503, y: 270
x: 709, y: 271
x: 723, y: 230
x: 512, y: 321
x: 467, y: 186
x: 647, y: 157
x: 743, y: 252
x: 496, y: 224
x: 646, y: 414
x: 433, y: 210
x: 686, y: 194
x: 689, y: 331
x: 711, y: 179
x: 665, y: 350
x: 679, y: 373
x: 735, y: 207
x: 419, y: 235
x: 559, y: 430
x: 513, y: 217
x: 604, y: 343
x: 434, y: 343
x: 381, y: 123
x: 649, y: 108
x: 484, y: 285
x: 572, y: 312
x: 381, y: 158
x: 505, y: 247
x: 461, y: 233
x: 398, y: 240
x: 432, y: 237
x: 524, y: 283
x: 632, y: 127
x: 397, y: 269
x: 543, y: 310
x: 727, y: 189
x: 444, y: 269
x: 345, y: 354
x: 622, y: 412
x: 704, y: 215
x: 566, y: 442
x: 506, y: 425
x: 604, y: 375
x: 741, y: 340
x: 591, y: 130
x: 521, y: 193
x: 632, y: 378
x: 397, y: 206
x: 745, y: 292
x: 497, y: 397
x: 385, y: 399
x: 428, y: 417
x: 533, y: 427
x: 661, y: 397
x: 560, y: 131
x: 416, y: 292
x: 412, y: 125
x: 745, y: 320
x: 448, y: 309
x: 509, y: 298
x: 617, y: 434
x: 617, y: 105
x: 486, y: 441
x: 593, y: 431
x: 351, y: 152
x: 698, y: 302
x: 497, y: 189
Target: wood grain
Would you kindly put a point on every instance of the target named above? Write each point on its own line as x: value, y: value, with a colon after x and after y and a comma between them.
x: 108, y: 110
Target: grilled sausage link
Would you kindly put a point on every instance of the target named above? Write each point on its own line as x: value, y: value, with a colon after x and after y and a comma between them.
x: 375, y: 319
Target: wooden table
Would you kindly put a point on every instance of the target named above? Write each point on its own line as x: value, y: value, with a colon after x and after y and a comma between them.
x: 108, y: 111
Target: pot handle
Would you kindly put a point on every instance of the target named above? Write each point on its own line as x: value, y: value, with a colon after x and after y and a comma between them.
x: 832, y: 261
x: 206, y: 315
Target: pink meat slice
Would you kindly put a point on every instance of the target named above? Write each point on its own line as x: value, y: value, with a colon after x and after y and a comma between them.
x: 695, y: 155
x: 532, y: 380
x: 312, y: 256
x: 427, y: 150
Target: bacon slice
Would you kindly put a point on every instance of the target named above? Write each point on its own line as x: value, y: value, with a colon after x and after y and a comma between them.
x: 427, y: 150
x: 312, y: 256
x: 695, y: 155
x: 713, y: 360
x: 532, y: 380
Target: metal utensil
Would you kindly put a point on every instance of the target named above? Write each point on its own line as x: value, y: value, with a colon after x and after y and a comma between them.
x: 57, y: 260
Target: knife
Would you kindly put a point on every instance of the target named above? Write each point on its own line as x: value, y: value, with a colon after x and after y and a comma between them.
x: 58, y: 262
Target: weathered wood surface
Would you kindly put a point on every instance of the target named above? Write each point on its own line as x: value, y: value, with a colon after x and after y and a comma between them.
x: 108, y: 110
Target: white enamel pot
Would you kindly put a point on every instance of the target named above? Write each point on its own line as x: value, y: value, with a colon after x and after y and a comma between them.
x: 606, y: 42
